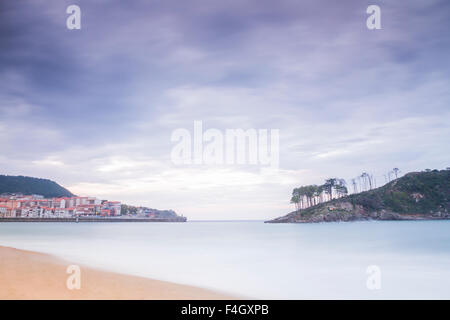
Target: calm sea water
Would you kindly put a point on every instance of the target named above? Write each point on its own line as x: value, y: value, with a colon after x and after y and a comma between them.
x: 257, y: 260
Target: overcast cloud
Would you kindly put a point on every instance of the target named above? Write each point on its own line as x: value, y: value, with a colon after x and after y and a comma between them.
x: 94, y: 109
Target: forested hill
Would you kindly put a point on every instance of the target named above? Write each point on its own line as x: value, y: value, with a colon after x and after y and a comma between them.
x: 29, y: 185
x: 416, y: 195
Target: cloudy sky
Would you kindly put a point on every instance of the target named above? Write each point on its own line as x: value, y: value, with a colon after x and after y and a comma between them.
x: 94, y: 109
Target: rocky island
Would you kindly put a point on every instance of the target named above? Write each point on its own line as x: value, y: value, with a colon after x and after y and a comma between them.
x: 415, y: 196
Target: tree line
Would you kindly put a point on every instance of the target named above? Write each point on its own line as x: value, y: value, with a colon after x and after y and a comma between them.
x: 307, y: 196
x: 311, y: 195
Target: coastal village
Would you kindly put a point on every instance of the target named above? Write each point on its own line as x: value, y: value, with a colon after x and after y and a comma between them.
x: 36, y: 206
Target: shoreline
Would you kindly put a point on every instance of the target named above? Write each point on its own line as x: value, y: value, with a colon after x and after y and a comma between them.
x: 346, y: 216
x: 87, y: 219
x: 311, y: 221
x: 29, y: 275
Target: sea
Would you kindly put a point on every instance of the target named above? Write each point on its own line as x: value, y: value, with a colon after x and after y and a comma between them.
x: 251, y: 259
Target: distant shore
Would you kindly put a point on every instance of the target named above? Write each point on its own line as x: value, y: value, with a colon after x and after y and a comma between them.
x: 96, y: 219
x: 31, y: 275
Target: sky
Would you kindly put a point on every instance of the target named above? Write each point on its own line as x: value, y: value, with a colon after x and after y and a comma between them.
x: 94, y: 109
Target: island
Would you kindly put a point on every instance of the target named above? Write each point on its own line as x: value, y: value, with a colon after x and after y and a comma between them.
x: 415, y: 196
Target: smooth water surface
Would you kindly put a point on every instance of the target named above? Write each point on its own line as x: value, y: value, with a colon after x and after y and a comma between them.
x: 257, y: 260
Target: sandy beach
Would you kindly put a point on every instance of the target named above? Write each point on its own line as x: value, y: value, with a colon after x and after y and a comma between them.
x: 31, y: 275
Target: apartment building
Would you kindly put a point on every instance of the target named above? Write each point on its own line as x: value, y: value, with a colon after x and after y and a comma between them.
x: 35, y: 206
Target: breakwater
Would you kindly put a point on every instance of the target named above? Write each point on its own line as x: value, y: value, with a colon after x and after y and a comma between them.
x: 87, y: 219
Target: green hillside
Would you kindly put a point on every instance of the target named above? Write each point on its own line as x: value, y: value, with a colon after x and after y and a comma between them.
x: 29, y: 185
x: 416, y: 192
